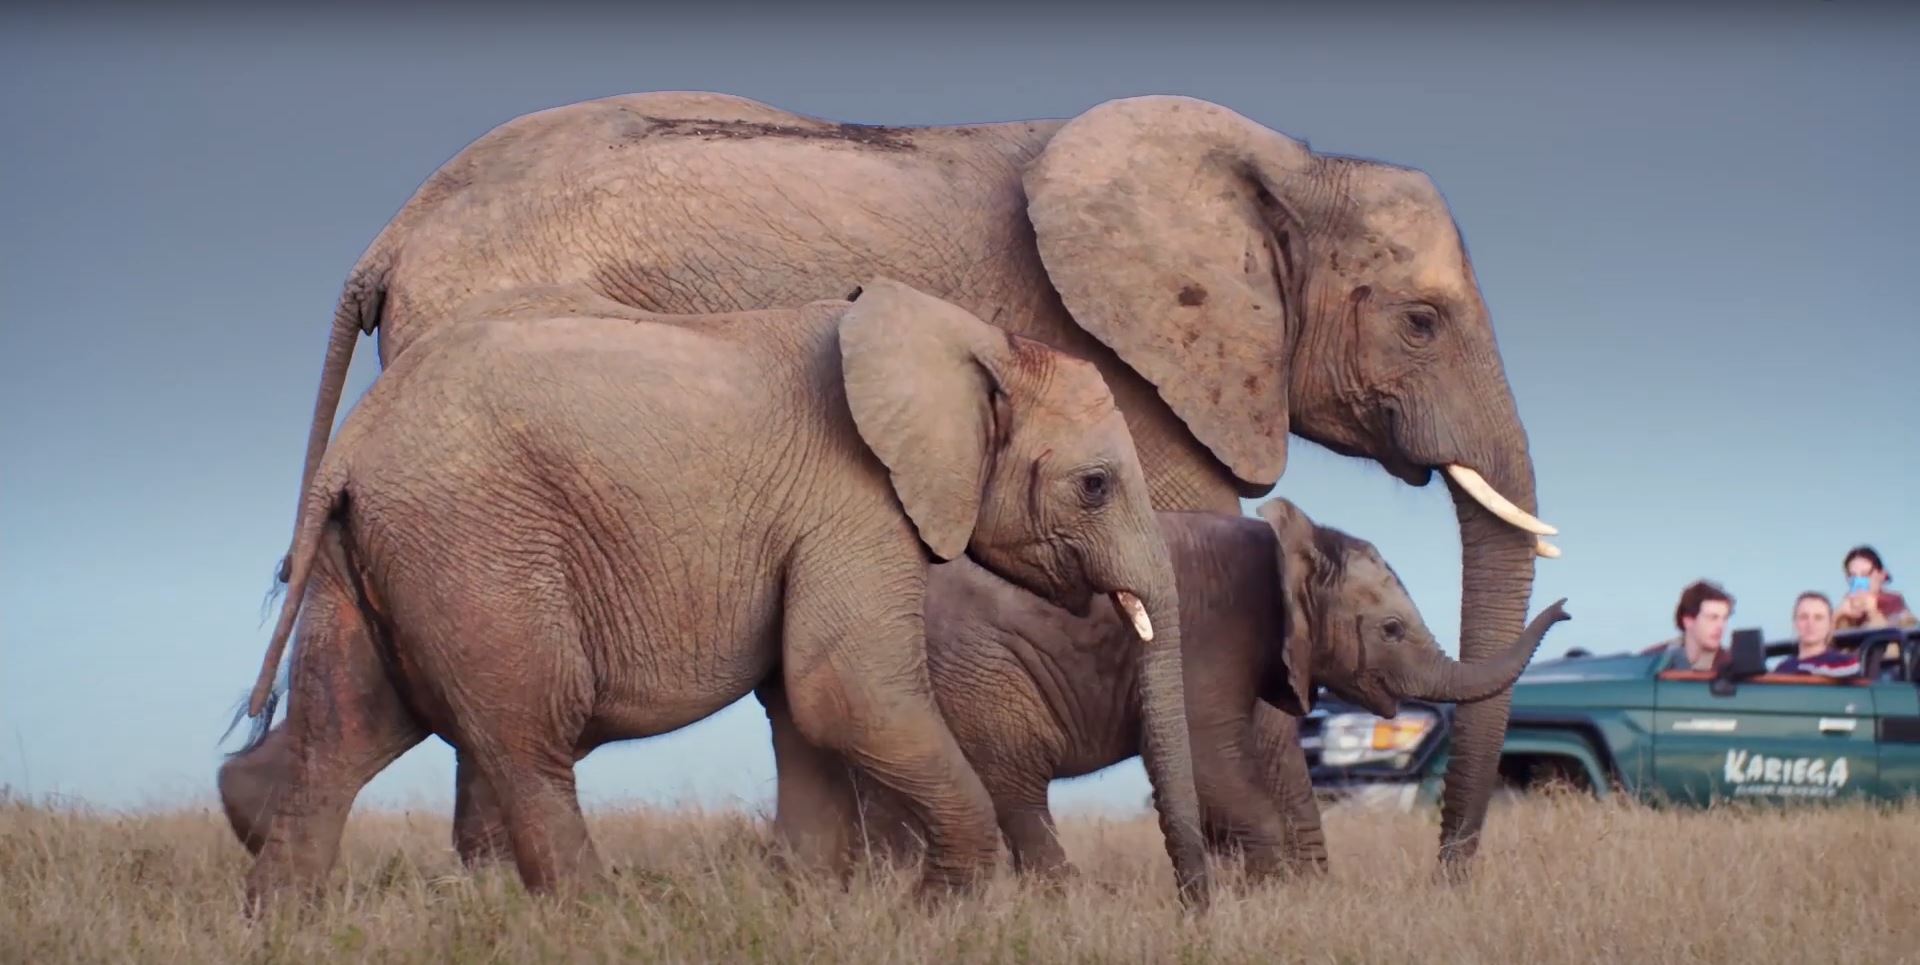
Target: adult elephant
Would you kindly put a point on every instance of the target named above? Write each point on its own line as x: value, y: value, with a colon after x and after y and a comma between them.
x: 1232, y: 286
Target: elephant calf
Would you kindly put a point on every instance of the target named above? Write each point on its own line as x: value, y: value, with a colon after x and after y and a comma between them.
x: 1271, y: 608
x: 532, y: 539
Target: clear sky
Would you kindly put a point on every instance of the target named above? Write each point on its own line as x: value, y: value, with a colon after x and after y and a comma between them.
x: 1690, y: 227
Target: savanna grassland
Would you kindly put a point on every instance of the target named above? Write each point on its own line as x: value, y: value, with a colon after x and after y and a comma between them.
x: 1562, y: 880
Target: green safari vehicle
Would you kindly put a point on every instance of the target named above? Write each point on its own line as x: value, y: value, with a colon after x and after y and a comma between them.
x: 1626, y: 724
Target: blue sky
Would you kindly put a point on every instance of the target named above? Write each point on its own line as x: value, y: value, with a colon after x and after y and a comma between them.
x: 1690, y: 228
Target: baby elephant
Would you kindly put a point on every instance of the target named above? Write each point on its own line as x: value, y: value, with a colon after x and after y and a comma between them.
x: 1271, y: 609
x: 535, y: 537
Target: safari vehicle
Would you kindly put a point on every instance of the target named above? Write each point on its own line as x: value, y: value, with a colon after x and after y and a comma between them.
x: 1626, y: 724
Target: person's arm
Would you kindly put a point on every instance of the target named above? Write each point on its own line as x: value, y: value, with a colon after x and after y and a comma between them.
x: 1901, y: 614
x: 1851, y: 612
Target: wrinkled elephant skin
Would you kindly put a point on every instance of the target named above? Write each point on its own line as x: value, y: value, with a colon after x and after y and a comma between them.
x: 543, y: 531
x: 1233, y: 286
x: 1273, y: 609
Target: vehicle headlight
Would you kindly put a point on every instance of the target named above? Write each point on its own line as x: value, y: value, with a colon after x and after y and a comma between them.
x: 1349, y: 739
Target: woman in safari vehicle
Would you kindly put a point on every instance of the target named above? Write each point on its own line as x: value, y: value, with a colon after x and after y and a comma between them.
x: 1868, y: 602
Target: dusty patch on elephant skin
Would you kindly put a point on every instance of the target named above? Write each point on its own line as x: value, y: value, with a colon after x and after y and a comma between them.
x: 868, y: 135
x: 1192, y: 295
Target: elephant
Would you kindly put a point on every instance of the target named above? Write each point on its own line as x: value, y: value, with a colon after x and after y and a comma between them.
x: 1232, y: 285
x: 541, y: 533
x: 1033, y: 693
x: 1274, y: 608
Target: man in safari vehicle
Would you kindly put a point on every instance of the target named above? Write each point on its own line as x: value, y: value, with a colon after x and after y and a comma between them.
x: 1813, y: 625
x: 1701, y: 617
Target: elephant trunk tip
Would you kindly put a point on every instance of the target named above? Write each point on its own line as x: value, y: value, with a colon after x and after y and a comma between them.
x: 1464, y: 682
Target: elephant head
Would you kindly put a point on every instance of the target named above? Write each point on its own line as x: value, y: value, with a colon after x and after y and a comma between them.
x: 1015, y: 454
x: 1265, y: 289
x: 1353, y: 627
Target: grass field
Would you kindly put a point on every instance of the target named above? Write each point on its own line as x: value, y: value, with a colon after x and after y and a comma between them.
x: 1562, y: 880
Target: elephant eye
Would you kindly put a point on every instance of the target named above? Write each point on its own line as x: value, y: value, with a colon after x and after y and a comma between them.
x: 1393, y: 628
x: 1095, y: 487
x: 1422, y: 322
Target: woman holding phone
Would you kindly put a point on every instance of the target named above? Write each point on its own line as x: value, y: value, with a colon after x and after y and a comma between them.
x: 1868, y: 602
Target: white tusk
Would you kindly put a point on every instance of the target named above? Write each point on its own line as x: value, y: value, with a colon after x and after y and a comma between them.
x: 1543, y: 548
x: 1131, y: 608
x: 1484, y: 494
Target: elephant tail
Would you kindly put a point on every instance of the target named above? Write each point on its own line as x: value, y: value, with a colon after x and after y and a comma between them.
x: 322, y: 500
x: 357, y: 311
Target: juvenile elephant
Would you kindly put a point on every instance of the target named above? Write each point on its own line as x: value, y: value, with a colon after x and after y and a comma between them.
x: 1231, y: 284
x: 1271, y: 608
x: 537, y: 535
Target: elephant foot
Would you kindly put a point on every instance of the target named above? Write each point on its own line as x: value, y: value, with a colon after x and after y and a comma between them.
x: 273, y: 890
x: 932, y: 893
x: 938, y: 886
x: 1309, y: 867
x: 796, y: 874
x: 480, y: 852
x: 1455, y: 867
x: 1285, y: 869
x: 1286, y: 874
x: 1302, y: 873
x: 1056, y: 880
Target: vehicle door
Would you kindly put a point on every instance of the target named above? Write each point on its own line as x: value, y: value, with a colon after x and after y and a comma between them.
x: 1773, y: 737
x: 1896, y: 702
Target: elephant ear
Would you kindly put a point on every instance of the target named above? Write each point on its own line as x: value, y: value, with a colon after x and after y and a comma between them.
x: 922, y: 396
x: 1302, y: 568
x: 1168, y: 227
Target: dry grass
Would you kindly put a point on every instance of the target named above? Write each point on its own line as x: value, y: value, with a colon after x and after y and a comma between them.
x: 1563, y: 880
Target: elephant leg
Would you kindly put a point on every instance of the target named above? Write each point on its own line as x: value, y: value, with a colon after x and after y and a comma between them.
x: 520, y: 732
x: 1282, y: 764
x: 814, y: 807
x: 884, y: 830
x: 540, y: 806
x: 1020, y: 801
x: 479, y: 825
x: 250, y: 783
x: 1233, y: 803
x: 856, y: 679
x: 345, y: 723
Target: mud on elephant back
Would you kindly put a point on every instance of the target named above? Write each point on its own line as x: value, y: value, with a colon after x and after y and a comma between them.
x: 1232, y: 285
x: 540, y: 532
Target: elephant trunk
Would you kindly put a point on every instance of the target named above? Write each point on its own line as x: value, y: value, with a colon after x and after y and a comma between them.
x: 1439, y: 677
x: 1496, y: 581
x: 1151, y: 609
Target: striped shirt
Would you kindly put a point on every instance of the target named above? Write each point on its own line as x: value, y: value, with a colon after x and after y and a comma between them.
x: 1826, y: 663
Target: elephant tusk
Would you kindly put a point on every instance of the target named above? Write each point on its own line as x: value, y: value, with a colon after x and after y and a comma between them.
x: 1135, y: 611
x: 1543, y: 548
x: 1483, y: 493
